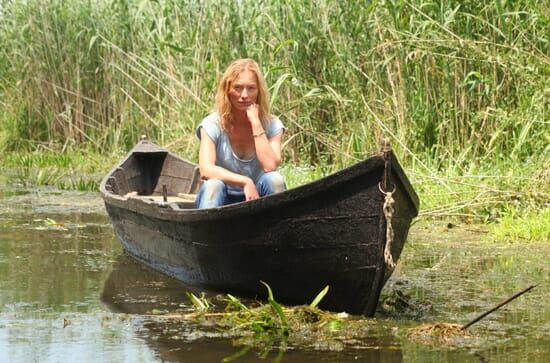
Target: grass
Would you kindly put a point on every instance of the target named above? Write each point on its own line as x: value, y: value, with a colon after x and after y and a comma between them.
x: 531, y: 226
x: 67, y: 171
x: 455, y: 82
x: 501, y: 197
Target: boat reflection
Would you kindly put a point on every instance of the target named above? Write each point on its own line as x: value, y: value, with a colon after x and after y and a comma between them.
x: 132, y: 288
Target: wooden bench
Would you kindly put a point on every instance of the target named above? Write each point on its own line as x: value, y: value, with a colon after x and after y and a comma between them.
x: 180, y: 198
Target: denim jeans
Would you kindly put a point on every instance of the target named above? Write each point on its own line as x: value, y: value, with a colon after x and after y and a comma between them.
x: 213, y: 192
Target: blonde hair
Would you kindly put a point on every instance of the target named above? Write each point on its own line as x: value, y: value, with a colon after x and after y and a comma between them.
x: 223, y: 104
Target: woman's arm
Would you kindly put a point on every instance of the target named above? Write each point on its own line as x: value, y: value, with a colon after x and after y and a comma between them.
x: 268, y: 151
x: 209, y: 169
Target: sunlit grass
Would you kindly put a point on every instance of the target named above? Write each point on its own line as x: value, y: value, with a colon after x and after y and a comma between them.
x: 86, y: 162
x: 533, y: 226
x: 457, y: 83
x: 66, y: 171
x: 300, y: 175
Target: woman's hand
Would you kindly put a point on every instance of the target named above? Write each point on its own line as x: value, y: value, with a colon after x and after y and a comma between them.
x: 250, y: 191
x: 253, y: 113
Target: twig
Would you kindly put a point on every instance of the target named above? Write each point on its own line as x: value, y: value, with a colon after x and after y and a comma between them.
x: 497, y: 307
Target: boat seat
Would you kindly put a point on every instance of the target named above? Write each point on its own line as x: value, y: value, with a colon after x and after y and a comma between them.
x: 180, y: 198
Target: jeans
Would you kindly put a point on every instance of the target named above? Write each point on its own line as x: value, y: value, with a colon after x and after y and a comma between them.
x: 213, y: 192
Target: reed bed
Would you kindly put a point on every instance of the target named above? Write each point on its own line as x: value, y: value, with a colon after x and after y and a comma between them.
x: 457, y: 86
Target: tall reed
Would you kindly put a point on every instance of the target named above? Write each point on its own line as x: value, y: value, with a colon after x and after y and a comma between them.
x: 450, y: 82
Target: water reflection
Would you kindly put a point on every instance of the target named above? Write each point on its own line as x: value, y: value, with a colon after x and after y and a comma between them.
x: 55, y: 253
x: 132, y: 288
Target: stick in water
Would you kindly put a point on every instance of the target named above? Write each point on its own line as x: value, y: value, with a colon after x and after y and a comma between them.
x: 497, y: 307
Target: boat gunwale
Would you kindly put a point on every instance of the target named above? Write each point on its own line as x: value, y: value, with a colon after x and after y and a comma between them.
x: 166, y: 211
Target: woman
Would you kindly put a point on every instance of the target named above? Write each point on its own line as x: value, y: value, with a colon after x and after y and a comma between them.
x: 240, y: 143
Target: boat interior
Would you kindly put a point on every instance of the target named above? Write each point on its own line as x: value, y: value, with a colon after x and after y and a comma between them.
x: 156, y: 177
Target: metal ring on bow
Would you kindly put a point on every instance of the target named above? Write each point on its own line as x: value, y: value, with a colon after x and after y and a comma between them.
x: 382, y: 191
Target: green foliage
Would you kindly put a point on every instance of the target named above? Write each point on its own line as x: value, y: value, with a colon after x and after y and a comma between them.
x: 455, y: 81
x: 528, y: 226
x: 269, y: 327
x: 319, y: 297
x: 80, y: 183
x: 68, y: 171
x: 277, y: 309
x: 299, y: 175
x: 200, y: 304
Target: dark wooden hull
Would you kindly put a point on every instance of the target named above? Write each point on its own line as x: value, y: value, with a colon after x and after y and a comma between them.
x: 324, y: 233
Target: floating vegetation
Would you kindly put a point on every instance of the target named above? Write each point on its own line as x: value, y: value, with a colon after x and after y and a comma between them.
x: 49, y: 224
x: 272, y: 327
x: 450, y: 334
x: 200, y: 304
x: 396, y: 301
x: 439, y: 334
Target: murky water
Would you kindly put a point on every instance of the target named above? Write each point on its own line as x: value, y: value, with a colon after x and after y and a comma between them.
x: 69, y: 293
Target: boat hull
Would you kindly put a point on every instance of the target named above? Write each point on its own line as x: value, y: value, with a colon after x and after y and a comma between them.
x: 299, y: 241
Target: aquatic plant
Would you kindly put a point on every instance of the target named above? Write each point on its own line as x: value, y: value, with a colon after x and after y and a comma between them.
x: 439, y: 334
x: 200, y: 304
x: 269, y: 327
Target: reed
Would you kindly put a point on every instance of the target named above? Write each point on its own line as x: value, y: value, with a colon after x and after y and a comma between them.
x: 457, y: 86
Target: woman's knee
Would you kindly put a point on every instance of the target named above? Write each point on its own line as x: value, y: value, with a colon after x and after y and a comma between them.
x: 213, y: 187
x: 271, y: 183
x: 211, y: 194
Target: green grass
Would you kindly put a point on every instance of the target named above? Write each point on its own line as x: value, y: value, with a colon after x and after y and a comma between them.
x: 67, y: 171
x: 532, y: 226
x: 270, y: 326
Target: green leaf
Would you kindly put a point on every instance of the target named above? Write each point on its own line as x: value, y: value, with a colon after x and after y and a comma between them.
x: 275, y: 305
x: 334, y: 325
x: 200, y: 304
x: 92, y: 41
x: 236, y: 302
x: 319, y: 297
x: 269, y: 292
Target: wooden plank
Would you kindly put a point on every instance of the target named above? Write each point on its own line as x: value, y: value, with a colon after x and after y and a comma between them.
x: 181, y: 197
x: 177, y: 168
x: 187, y: 196
x: 195, y: 182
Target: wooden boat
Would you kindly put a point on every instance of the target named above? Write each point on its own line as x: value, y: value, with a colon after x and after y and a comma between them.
x: 334, y: 231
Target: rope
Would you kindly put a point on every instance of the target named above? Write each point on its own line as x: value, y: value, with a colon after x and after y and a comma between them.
x: 388, y: 214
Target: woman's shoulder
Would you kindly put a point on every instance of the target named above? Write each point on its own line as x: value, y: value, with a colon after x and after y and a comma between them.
x: 211, y: 124
x: 212, y: 118
x: 275, y: 126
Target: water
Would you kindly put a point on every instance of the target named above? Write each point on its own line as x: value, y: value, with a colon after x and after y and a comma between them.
x: 69, y: 293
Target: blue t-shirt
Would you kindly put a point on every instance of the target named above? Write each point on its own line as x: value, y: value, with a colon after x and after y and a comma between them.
x: 226, y: 158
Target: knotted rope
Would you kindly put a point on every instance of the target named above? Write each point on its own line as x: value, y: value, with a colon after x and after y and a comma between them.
x: 388, y: 214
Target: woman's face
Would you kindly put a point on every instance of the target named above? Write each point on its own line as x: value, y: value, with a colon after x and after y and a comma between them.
x: 243, y: 91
